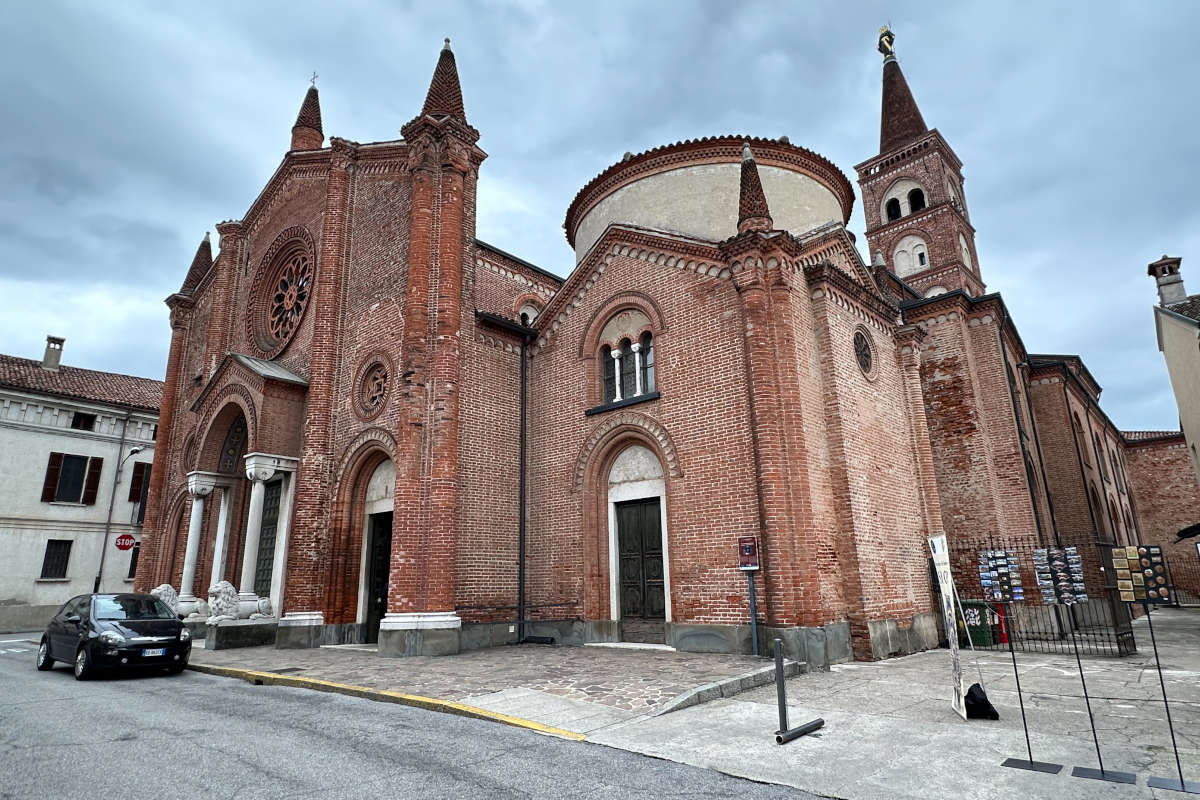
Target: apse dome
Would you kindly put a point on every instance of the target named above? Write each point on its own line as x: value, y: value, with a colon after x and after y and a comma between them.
x: 691, y: 188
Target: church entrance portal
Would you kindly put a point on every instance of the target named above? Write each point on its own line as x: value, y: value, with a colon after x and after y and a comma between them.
x: 378, y: 565
x: 642, y: 585
x: 266, y: 538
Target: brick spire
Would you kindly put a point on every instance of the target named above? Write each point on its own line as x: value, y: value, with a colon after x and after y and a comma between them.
x: 445, y: 94
x: 201, y: 264
x: 307, y: 133
x: 900, y: 120
x: 753, y: 214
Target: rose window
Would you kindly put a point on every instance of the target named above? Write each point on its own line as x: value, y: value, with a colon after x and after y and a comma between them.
x: 291, y: 290
x: 374, y: 388
x: 862, y: 351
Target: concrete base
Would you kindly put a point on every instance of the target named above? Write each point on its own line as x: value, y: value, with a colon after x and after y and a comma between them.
x: 709, y: 638
x: 20, y: 618
x: 240, y: 633
x: 419, y: 642
x: 478, y: 635
x: 891, y: 637
x: 197, y: 627
x: 816, y: 647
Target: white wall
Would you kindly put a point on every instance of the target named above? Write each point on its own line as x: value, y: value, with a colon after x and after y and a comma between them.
x: 31, y: 427
x: 1180, y: 343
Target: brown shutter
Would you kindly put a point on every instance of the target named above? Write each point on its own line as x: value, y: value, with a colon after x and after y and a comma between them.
x: 93, y: 481
x: 135, y: 482
x: 53, y: 468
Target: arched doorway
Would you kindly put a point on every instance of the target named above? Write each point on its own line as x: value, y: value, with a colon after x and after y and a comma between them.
x: 639, y: 570
x: 376, y: 550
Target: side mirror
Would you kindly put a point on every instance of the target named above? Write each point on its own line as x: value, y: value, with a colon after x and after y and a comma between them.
x: 74, y: 619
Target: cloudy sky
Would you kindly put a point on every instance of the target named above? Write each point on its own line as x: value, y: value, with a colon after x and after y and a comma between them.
x: 131, y: 128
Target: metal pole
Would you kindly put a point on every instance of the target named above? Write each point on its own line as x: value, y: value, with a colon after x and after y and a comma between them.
x: 1170, y: 725
x: 780, y: 691
x: 1017, y: 678
x: 112, y: 499
x: 1086, y: 699
x: 753, y: 611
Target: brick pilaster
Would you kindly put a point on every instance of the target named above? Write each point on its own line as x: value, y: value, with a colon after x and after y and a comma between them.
x: 308, y: 545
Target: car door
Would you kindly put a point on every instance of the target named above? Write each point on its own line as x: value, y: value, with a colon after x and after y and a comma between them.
x: 71, y: 629
x: 56, y: 631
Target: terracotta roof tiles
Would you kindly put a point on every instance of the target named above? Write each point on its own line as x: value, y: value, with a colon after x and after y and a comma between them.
x: 111, y: 388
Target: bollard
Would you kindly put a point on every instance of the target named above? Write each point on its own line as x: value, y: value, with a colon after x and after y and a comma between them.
x: 783, y: 735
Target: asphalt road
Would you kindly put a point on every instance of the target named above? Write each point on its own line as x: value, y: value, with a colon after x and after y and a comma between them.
x: 201, y: 736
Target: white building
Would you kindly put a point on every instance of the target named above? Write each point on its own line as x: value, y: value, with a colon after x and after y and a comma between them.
x: 1177, y: 322
x: 76, y: 447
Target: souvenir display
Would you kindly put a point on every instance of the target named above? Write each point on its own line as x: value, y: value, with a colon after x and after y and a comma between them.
x: 1141, y: 574
x: 1000, y: 576
x: 1059, y: 574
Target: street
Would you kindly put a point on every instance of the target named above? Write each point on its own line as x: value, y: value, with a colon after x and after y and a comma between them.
x: 199, y: 736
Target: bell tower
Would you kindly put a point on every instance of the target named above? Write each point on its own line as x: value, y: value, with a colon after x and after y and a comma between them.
x: 912, y: 195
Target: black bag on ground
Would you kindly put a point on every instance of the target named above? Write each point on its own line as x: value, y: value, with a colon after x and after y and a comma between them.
x: 978, y: 705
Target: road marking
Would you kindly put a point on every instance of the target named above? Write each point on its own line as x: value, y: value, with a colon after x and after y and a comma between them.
x: 400, y: 698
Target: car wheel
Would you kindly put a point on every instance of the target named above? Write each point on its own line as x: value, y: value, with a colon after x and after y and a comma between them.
x: 83, y: 665
x: 44, y: 661
x: 175, y: 669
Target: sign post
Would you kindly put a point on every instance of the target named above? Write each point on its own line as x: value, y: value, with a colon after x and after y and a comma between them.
x: 941, y: 563
x: 748, y: 563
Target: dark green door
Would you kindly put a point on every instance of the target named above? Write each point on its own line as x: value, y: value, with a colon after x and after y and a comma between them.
x: 379, y: 562
x: 642, y: 588
x: 265, y: 564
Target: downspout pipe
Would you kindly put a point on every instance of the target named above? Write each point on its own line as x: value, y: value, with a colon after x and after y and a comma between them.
x: 112, y: 499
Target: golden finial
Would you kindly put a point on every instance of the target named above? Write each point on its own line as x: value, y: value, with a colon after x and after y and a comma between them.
x: 886, y: 40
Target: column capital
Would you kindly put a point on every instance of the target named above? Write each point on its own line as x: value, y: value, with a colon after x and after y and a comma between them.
x: 616, y: 354
x: 635, y: 346
x: 201, y: 483
x: 263, y: 466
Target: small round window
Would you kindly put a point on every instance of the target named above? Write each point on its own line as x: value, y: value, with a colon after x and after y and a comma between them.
x: 371, y: 388
x: 862, y: 352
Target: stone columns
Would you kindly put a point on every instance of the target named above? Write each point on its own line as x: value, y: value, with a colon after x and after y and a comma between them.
x: 636, y: 347
x: 200, y: 486
x: 616, y: 357
x: 259, y: 470
x: 222, y: 540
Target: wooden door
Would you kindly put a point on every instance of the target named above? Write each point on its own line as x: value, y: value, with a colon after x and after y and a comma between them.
x: 641, y: 583
x: 379, y: 562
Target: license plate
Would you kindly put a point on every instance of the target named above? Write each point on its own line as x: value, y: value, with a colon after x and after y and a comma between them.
x: 158, y: 651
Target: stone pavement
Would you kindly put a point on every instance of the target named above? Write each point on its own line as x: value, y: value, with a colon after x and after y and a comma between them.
x: 890, y: 731
x: 580, y: 689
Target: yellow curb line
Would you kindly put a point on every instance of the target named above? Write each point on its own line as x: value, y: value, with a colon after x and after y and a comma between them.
x: 384, y: 696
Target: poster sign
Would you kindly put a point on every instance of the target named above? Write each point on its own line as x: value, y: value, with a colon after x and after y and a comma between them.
x: 1141, y: 574
x: 1000, y: 576
x: 747, y: 552
x: 941, y: 565
x: 1059, y: 573
x: 124, y: 542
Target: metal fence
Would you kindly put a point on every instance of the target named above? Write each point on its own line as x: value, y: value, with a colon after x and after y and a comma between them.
x: 1100, y: 626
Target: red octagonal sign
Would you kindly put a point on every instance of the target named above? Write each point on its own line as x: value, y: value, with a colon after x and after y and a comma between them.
x: 124, y: 541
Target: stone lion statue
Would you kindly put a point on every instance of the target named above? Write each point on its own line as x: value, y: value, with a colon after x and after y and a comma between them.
x: 168, y: 596
x: 222, y: 602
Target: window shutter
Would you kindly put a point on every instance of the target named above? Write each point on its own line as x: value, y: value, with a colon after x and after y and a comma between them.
x: 53, y: 468
x: 135, y: 482
x: 93, y: 481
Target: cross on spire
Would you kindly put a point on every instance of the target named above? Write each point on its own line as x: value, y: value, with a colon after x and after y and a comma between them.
x: 314, y: 78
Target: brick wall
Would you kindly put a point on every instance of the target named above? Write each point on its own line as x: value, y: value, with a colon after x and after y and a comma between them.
x: 1167, y: 498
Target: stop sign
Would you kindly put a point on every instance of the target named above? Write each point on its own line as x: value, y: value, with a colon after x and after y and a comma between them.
x: 124, y: 541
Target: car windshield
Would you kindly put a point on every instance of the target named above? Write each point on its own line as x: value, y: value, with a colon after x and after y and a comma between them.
x: 127, y: 606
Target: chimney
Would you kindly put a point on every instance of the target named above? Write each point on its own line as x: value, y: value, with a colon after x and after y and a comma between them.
x: 1165, y: 272
x: 54, y: 346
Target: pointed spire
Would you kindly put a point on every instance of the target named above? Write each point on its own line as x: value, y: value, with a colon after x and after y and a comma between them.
x: 201, y: 264
x: 307, y: 133
x: 753, y: 214
x: 900, y: 121
x: 445, y: 94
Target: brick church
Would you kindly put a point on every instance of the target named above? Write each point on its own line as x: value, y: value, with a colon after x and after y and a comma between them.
x: 378, y: 428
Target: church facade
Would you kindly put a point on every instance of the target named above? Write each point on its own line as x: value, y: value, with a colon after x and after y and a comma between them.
x: 376, y: 427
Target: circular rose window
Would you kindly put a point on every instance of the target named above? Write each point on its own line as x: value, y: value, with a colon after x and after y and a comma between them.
x: 862, y: 351
x: 374, y: 380
x: 281, y: 292
x: 292, y: 285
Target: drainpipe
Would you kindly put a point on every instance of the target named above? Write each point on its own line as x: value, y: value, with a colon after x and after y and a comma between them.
x: 521, y: 494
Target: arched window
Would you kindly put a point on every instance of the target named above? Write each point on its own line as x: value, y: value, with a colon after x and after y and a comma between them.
x: 628, y: 370
x: 910, y: 256
x: 1100, y: 455
x: 1114, y: 517
x: 966, y: 251
x: 893, y: 209
x: 609, y: 367
x: 1116, y: 471
x: 1098, y: 510
x: 647, y: 343
x: 916, y: 201
x: 1080, y: 441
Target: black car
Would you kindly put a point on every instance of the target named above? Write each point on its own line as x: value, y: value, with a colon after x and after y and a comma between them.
x: 98, y: 631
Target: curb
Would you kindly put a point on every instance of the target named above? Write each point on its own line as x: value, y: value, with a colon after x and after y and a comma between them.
x: 384, y: 696
x: 728, y: 687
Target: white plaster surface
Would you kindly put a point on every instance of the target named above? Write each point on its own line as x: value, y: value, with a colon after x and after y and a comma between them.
x: 1180, y: 343
x: 380, y: 487
x: 31, y: 427
x: 702, y: 201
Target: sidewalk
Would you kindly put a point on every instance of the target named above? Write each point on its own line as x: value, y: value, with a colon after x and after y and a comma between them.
x: 578, y: 689
x: 890, y: 732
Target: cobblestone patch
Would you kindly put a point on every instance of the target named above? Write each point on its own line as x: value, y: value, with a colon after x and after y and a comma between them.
x: 626, y: 679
